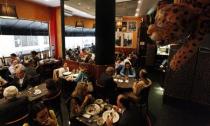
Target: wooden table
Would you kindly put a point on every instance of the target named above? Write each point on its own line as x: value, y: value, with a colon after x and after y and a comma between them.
x: 29, y: 93
x: 91, y: 121
x: 123, y: 83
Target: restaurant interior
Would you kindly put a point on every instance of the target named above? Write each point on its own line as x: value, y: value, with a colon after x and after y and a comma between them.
x: 104, y: 63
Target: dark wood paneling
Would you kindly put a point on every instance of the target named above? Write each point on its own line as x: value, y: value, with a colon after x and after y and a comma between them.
x: 201, y: 87
x: 179, y: 83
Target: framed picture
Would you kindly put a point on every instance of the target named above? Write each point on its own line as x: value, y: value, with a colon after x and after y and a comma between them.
x: 118, y: 38
x: 127, y: 39
x: 132, y: 26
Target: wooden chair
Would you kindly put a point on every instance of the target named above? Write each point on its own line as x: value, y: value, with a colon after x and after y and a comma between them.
x: 18, y: 121
x: 54, y: 102
x: 144, y: 98
x: 55, y: 74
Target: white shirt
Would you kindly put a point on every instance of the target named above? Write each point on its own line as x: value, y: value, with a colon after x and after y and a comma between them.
x: 62, y: 70
x: 21, y: 82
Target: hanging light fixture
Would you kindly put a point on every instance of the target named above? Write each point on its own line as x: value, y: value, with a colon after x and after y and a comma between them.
x: 8, y: 11
x: 79, y: 24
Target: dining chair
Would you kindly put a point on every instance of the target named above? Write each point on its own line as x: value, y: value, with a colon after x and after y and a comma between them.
x: 17, y: 121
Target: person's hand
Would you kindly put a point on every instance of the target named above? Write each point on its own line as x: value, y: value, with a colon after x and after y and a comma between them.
x: 70, y: 78
x: 87, y: 98
x: 50, y: 122
x: 116, y: 108
x: 109, y: 121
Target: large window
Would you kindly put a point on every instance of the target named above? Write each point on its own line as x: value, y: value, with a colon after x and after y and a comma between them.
x: 83, y: 42
x: 22, y: 44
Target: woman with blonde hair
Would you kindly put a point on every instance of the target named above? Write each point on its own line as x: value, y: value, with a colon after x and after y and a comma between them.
x: 140, y: 86
x: 79, y: 99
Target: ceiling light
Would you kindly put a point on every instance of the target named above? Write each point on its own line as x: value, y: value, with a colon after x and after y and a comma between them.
x: 136, y: 15
x: 137, y: 10
x: 79, y: 4
x: 8, y: 11
x: 139, y: 1
x: 79, y: 24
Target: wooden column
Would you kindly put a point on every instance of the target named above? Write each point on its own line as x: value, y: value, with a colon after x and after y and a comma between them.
x: 105, y: 34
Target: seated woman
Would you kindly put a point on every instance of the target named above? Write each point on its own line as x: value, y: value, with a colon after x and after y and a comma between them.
x: 63, y: 69
x: 82, y: 76
x: 128, y: 70
x: 79, y: 99
x: 41, y: 116
x: 143, y: 76
x: 143, y: 83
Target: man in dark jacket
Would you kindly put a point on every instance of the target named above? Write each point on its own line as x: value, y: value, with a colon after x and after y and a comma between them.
x: 21, y: 80
x: 108, y: 85
x: 130, y: 115
x: 13, y: 107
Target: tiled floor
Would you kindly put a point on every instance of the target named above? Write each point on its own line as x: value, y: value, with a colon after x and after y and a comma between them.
x: 173, y: 115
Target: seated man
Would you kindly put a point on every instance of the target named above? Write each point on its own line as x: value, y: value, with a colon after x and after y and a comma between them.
x: 14, y: 66
x: 130, y: 115
x: 13, y: 107
x: 108, y: 84
x: 21, y: 80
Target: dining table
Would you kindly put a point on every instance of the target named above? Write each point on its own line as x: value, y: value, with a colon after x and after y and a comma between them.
x: 123, y: 82
x: 33, y: 93
x: 97, y: 119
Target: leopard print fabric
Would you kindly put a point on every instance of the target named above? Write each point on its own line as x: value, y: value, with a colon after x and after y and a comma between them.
x: 185, y: 24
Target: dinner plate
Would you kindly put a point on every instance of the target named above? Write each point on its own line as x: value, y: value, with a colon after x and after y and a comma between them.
x: 66, y: 73
x: 37, y: 92
x: 99, y: 101
x: 75, y: 75
x: 120, y: 80
x: 126, y: 81
x: 111, y: 113
x: 93, y: 109
x: 100, y: 121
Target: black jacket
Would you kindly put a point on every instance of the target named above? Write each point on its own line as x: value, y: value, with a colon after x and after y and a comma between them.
x: 26, y: 83
x: 13, y: 109
x: 132, y: 117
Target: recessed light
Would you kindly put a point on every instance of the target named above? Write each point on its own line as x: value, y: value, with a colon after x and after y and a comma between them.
x: 139, y: 1
x: 137, y: 10
x: 136, y: 15
x: 88, y: 8
x: 79, y: 4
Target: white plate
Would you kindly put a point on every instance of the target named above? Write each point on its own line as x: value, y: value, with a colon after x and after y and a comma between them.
x: 66, y: 73
x: 37, y: 91
x: 75, y: 75
x: 112, y: 113
x: 99, y: 101
x: 120, y: 80
x: 93, y: 109
x: 126, y: 81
